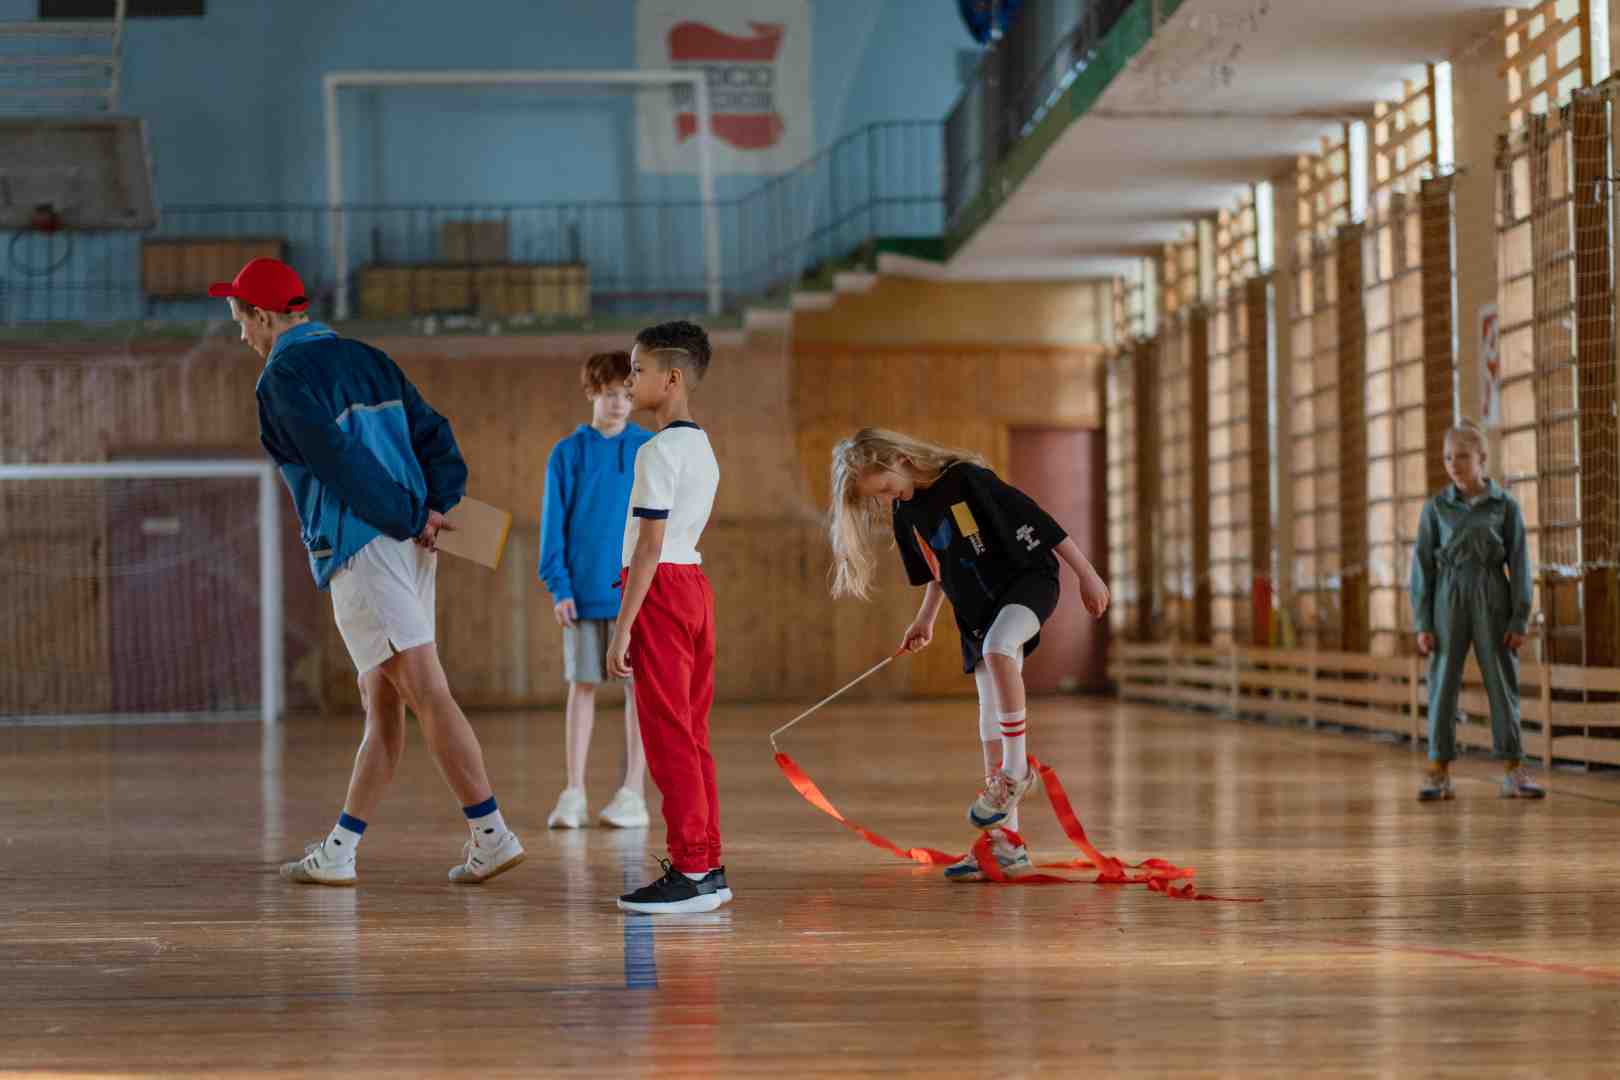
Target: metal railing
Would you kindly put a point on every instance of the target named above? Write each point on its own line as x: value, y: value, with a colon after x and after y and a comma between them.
x: 884, y: 179
x: 1021, y: 76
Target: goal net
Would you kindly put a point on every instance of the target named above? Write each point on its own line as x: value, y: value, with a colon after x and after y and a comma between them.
x: 140, y: 592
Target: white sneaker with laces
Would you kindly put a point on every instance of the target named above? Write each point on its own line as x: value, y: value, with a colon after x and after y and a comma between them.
x: 485, y: 861
x: 569, y: 813
x: 1013, y: 858
x: 1518, y: 783
x: 627, y: 810
x: 318, y: 867
x: 1000, y: 797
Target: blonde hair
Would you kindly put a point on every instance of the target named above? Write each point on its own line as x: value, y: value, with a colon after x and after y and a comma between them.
x: 853, y: 520
x: 1469, y: 432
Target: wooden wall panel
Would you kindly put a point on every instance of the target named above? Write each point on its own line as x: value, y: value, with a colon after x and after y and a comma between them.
x: 1198, y: 402
x: 1257, y: 313
x: 1598, y: 439
x: 1352, y: 420
x: 772, y: 407
x: 1438, y: 210
x: 900, y: 311
x: 949, y: 394
x: 1144, y: 370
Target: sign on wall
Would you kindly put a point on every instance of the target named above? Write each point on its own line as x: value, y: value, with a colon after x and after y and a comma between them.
x: 755, y: 55
x: 1490, y: 366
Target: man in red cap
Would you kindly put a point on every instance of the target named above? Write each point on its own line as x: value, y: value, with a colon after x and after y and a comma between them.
x: 372, y: 469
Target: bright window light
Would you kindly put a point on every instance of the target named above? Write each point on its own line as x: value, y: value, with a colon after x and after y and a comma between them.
x: 1445, y: 118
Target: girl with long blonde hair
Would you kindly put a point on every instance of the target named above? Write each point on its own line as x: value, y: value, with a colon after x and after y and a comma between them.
x: 969, y: 537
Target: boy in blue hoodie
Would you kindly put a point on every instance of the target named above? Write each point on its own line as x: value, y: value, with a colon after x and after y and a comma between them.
x: 588, y: 478
x: 372, y: 469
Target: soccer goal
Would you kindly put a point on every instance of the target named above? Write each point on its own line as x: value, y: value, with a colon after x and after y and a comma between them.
x: 140, y: 592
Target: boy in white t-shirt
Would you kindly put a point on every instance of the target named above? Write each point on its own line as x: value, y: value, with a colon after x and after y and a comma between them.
x: 666, y: 621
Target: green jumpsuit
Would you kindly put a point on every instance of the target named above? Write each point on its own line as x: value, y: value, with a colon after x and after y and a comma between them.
x: 1471, y: 586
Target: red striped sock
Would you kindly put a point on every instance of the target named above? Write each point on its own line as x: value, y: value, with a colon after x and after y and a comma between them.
x: 1013, y: 760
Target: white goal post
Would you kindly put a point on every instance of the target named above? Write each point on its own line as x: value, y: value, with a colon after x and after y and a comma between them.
x: 124, y: 537
x: 338, y: 80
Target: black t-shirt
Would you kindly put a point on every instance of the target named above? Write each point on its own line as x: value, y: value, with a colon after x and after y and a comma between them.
x: 983, y: 533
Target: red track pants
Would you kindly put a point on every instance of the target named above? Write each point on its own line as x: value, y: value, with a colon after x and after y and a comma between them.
x: 672, y: 656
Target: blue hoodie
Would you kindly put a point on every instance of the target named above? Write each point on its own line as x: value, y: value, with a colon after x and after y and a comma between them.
x: 362, y: 453
x: 588, y: 479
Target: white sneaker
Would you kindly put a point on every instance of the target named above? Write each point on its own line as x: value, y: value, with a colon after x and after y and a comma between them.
x: 319, y: 868
x: 484, y: 862
x: 1000, y: 797
x: 627, y: 810
x: 1013, y: 858
x: 569, y: 812
x: 1520, y: 784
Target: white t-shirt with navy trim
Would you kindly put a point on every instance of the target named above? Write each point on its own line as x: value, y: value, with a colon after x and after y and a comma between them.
x: 676, y: 478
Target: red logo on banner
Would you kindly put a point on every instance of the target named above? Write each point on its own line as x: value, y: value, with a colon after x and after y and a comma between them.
x: 741, y: 75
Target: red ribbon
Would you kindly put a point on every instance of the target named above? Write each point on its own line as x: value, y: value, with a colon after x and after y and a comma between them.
x: 1156, y: 874
x: 812, y: 795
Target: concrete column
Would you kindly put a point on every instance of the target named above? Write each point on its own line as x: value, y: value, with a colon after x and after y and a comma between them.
x: 1479, y: 97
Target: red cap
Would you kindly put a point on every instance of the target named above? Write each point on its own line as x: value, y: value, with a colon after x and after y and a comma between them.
x: 266, y: 283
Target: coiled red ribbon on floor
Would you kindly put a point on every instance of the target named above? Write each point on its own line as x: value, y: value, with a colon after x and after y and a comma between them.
x: 1157, y: 874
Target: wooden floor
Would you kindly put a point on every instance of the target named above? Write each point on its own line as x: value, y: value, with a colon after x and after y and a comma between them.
x: 145, y: 932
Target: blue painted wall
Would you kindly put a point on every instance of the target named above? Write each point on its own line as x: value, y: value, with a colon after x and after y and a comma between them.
x: 232, y: 103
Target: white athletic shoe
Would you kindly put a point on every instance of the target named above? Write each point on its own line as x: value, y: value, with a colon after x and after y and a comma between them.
x: 319, y: 868
x: 484, y: 862
x: 1012, y: 858
x: 627, y: 810
x: 570, y: 812
x: 1520, y: 784
x: 1000, y: 797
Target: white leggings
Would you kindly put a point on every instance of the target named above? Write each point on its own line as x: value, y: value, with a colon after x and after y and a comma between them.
x: 1015, y: 624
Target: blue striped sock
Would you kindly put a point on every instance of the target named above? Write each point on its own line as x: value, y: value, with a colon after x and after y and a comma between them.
x: 485, y: 821
x: 344, y: 839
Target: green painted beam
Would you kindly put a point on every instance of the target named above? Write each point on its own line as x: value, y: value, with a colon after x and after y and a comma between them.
x: 931, y: 248
x: 1127, y: 38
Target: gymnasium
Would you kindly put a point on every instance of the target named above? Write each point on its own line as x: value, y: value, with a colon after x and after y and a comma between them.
x: 1295, y: 319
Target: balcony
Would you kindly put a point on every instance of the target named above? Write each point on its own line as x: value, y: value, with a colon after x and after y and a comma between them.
x: 540, y: 264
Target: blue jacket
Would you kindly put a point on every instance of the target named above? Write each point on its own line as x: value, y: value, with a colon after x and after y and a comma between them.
x: 361, y: 452
x: 588, y: 480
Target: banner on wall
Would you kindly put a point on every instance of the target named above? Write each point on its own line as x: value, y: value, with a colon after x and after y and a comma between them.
x: 755, y: 55
x: 1490, y: 366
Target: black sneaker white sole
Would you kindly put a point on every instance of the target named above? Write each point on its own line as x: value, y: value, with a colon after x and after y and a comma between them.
x: 675, y: 893
x: 692, y: 905
x: 717, y: 878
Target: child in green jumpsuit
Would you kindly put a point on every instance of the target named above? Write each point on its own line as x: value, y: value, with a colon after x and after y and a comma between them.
x: 1471, y: 587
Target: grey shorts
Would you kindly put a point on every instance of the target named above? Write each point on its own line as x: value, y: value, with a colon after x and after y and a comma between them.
x: 585, y: 646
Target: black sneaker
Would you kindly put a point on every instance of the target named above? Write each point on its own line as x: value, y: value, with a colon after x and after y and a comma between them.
x: 717, y: 878
x: 673, y: 894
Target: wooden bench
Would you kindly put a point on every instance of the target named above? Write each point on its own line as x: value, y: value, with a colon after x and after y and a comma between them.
x: 1379, y: 693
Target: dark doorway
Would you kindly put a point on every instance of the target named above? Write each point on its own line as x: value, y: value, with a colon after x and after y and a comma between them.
x: 1063, y: 470
x: 183, y: 595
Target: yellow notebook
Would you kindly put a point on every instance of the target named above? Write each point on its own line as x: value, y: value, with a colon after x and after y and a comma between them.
x: 479, y: 534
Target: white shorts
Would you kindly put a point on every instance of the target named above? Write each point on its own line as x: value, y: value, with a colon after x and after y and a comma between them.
x: 383, y: 600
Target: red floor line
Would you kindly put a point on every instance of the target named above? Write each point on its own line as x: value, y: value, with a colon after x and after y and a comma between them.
x: 1594, y: 974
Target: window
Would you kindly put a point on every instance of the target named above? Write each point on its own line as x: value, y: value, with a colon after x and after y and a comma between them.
x: 1404, y: 153
x: 1312, y: 433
